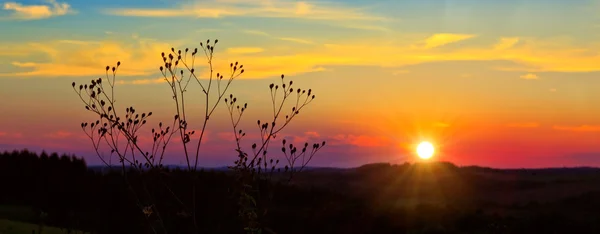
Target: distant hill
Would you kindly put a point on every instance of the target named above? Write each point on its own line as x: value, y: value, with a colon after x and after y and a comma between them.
x: 377, y: 166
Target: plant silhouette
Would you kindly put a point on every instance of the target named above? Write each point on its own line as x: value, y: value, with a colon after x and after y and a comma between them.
x: 143, y: 169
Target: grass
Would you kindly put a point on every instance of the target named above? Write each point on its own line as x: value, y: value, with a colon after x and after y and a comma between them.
x: 13, y: 220
x: 20, y: 213
x: 16, y: 227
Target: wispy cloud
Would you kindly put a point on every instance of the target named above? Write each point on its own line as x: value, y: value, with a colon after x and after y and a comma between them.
x: 582, y: 128
x: 34, y: 12
x: 399, y: 72
x: 441, y: 124
x: 297, y: 40
x: 367, y: 27
x: 306, y: 137
x: 88, y: 58
x: 360, y: 140
x: 506, y: 43
x: 141, y: 81
x: 529, y: 76
x: 256, y: 32
x: 523, y: 125
x: 312, y: 134
x: 59, y: 134
x: 139, y: 56
x: 263, y: 9
x: 441, y: 39
x: 291, y: 39
x: 244, y: 50
x: 228, y: 136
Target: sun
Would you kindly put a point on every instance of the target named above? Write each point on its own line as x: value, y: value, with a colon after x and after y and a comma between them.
x: 425, y: 150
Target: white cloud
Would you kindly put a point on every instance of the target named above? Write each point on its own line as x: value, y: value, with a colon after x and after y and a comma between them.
x: 264, y: 9
x: 34, y: 12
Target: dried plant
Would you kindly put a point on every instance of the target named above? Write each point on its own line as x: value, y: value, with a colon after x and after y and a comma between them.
x: 119, y: 132
x: 257, y: 165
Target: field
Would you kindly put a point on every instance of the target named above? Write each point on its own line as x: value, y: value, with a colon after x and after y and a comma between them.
x: 374, y: 198
x: 12, y: 222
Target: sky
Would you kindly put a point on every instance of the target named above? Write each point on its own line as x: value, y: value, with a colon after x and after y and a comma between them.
x: 507, y: 84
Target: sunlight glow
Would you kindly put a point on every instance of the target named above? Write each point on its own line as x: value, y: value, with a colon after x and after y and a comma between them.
x: 425, y: 150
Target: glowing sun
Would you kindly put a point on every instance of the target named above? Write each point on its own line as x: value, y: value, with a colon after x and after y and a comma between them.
x: 425, y: 150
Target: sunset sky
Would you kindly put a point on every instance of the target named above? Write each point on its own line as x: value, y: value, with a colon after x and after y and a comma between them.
x: 513, y: 83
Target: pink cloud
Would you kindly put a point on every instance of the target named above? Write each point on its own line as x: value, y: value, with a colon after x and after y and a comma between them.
x: 59, y: 134
x: 360, y: 140
x: 582, y: 128
x: 312, y: 134
x: 306, y: 137
x: 228, y: 136
x: 13, y: 135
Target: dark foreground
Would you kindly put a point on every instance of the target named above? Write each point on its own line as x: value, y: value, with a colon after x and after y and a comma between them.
x: 376, y: 198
